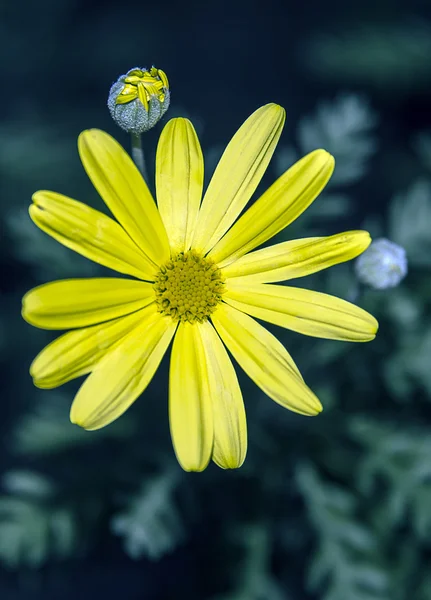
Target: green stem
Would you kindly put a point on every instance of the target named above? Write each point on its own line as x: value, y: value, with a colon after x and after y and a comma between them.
x: 138, y: 155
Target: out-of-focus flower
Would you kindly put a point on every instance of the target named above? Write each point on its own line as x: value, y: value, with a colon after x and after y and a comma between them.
x: 383, y: 265
x: 199, y: 283
x: 138, y: 99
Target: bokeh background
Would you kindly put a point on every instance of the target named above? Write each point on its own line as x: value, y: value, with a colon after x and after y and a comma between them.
x: 336, y: 507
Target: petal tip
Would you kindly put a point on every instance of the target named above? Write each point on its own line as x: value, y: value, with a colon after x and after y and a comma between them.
x: 25, y: 311
x: 328, y: 160
x: 272, y: 111
x: 91, y: 132
x: 229, y: 464
x: 80, y: 421
x: 365, y: 238
x: 194, y: 468
x: 76, y: 418
x: 273, y: 106
x: 318, y: 408
x: 43, y: 385
x: 372, y: 329
x: 279, y: 111
x: 84, y: 418
x: 314, y: 407
x: 89, y: 136
x: 39, y: 194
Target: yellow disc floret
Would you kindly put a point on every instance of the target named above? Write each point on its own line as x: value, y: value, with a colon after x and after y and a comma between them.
x: 188, y: 287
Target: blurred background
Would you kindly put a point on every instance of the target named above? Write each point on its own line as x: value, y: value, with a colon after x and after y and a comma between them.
x: 337, y: 507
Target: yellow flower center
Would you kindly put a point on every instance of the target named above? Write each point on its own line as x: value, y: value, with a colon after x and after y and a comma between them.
x: 144, y: 85
x: 188, y: 287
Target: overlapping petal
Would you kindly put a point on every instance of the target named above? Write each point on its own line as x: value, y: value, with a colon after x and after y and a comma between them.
x: 90, y: 233
x: 179, y: 181
x: 297, y: 258
x: 190, y: 408
x: 281, y: 204
x: 237, y: 175
x: 305, y: 311
x: 77, y: 352
x: 120, y: 184
x: 81, y: 302
x: 124, y: 372
x: 230, y: 426
x: 265, y: 360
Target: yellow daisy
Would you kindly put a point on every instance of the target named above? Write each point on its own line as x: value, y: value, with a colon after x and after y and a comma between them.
x: 197, y: 281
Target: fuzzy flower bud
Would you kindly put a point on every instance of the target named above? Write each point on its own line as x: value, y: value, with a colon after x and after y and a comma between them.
x: 383, y: 265
x: 138, y: 99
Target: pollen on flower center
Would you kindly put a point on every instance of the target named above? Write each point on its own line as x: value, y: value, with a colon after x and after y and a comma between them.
x: 188, y: 287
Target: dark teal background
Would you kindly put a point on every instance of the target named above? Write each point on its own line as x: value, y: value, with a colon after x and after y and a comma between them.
x: 309, y: 487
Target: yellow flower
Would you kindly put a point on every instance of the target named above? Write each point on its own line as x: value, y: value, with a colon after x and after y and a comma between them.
x: 199, y: 282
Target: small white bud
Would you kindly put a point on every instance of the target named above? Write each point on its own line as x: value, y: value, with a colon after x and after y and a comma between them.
x: 383, y: 265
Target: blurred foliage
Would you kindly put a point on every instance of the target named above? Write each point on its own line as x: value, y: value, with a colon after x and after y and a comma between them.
x: 398, y: 459
x: 34, y: 528
x: 47, y: 429
x: 422, y: 143
x: 389, y: 55
x: 254, y: 580
x: 151, y: 525
x: 348, y: 560
x: 409, y: 219
x: 345, y: 127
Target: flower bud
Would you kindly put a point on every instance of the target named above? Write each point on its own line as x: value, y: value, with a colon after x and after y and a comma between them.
x: 138, y: 99
x: 383, y: 265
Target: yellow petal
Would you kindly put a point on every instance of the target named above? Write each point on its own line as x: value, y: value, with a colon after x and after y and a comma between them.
x: 297, y: 258
x: 125, y: 98
x: 76, y: 353
x: 230, y: 426
x: 124, y: 191
x: 190, y: 410
x: 304, y: 311
x: 179, y: 181
x: 265, y: 360
x: 281, y: 204
x: 142, y: 95
x: 238, y: 174
x: 74, y: 303
x: 90, y: 233
x: 124, y: 373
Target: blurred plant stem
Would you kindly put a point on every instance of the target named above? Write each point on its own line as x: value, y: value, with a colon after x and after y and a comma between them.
x: 138, y: 155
